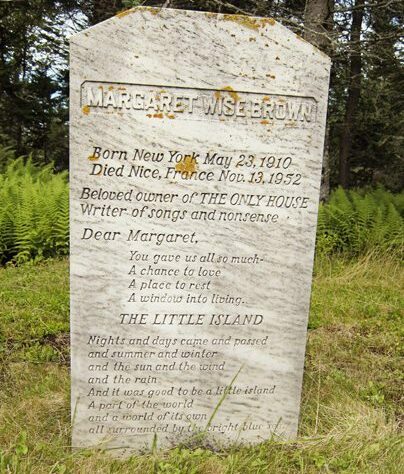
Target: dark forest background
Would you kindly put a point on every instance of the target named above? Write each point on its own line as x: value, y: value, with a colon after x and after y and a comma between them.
x: 363, y: 38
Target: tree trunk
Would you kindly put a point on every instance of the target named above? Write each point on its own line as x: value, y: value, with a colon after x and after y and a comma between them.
x: 318, y: 25
x: 354, y: 89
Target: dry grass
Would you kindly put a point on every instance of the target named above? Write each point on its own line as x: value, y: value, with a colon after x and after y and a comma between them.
x: 351, y: 406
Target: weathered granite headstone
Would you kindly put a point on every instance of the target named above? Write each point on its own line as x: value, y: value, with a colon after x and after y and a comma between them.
x: 196, y: 149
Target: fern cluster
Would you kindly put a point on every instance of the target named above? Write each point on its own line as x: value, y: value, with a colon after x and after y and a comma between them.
x: 34, y: 212
x: 34, y: 217
x: 355, y: 222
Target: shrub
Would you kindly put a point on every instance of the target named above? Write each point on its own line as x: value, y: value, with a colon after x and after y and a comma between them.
x: 34, y: 212
x: 34, y: 216
x: 359, y: 221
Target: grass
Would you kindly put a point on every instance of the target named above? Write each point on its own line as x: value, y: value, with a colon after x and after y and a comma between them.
x: 351, y: 411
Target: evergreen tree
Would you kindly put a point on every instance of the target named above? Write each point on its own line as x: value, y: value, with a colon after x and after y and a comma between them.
x: 33, y: 74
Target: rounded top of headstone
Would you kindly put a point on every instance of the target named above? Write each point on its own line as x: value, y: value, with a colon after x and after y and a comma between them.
x: 142, y: 17
x: 161, y: 46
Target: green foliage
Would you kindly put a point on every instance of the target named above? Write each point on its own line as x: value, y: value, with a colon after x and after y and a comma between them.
x: 7, y: 155
x: 356, y: 222
x: 34, y: 212
x: 34, y: 216
x: 131, y: 3
x: 12, y: 461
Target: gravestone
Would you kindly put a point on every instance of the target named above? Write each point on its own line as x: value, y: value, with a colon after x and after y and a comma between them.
x: 196, y: 149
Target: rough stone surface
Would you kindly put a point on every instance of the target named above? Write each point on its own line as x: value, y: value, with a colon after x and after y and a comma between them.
x: 196, y: 148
